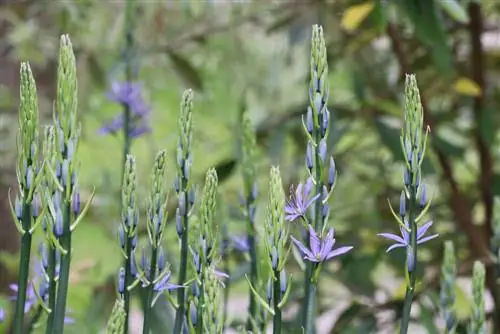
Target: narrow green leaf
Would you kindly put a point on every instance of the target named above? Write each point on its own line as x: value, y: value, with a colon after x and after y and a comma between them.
x: 186, y: 71
x: 454, y: 10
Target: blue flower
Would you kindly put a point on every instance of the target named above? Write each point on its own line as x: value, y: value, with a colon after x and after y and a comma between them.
x: 296, y: 207
x: 320, y: 250
x: 2, y: 315
x: 164, y: 284
x: 130, y: 94
x: 404, y: 239
x: 240, y: 243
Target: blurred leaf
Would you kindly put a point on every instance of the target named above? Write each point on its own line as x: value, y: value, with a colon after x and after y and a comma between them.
x: 239, y: 272
x: 355, y: 15
x: 496, y: 184
x: 462, y: 304
x: 186, y: 71
x: 390, y: 138
x: 447, y: 147
x: 282, y: 22
x: 379, y: 16
x: 354, y: 269
x: 275, y: 144
x: 426, y: 319
x: 355, y: 319
x: 454, y: 10
x: 430, y: 30
x: 162, y: 313
x: 487, y: 126
x: 95, y: 70
x: 349, y: 314
x: 467, y: 86
x: 224, y: 169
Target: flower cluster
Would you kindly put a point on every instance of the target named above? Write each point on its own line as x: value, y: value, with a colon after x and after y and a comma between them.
x: 129, y: 95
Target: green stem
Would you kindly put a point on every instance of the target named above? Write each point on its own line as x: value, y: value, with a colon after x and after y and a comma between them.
x: 412, y: 276
x: 128, y: 280
x: 51, y: 273
x: 276, y: 300
x: 62, y: 288
x: 129, y: 41
x: 34, y: 320
x: 308, y: 311
x: 24, y: 264
x: 201, y: 302
x: 252, y: 309
x: 150, y: 292
x: 181, y: 294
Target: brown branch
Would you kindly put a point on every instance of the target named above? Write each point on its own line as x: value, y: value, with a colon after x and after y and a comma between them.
x: 462, y: 213
x: 477, y: 68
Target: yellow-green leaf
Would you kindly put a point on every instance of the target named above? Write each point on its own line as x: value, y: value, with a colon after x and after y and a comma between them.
x: 467, y: 86
x: 355, y: 15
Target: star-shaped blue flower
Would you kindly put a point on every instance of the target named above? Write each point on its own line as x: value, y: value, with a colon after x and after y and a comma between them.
x: 320, y: 250
x: 130, y: 94
x: 296, y: 207
x: 404, y: 239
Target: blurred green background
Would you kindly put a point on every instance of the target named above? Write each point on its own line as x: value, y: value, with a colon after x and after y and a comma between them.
x: 253, y: 56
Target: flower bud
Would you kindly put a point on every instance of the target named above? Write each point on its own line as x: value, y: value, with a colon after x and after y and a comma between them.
x: 58, y: 224
x: 182, y: 203
x: 423, y: 196
x: 322, y: 149
x: 274, y: 258
x: 193, y: 314
x: 121, y: 236
x: 191, y: 196
x: 309, y: 121
x: 283, y: 281
x: 332, y: 173
x: 162, y: 262
x: 178, y: 223
x: 176, y: 184
x: 402, y: 204
x: 36, y: 206
x: 29, y: 177
x: 406, y: 177
x: 325, y: 123
x: 269, y: 291
x: 75, y: 202
x: 309, y: 156
x: 121, y: 281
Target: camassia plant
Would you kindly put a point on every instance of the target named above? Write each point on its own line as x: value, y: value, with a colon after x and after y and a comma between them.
x: 193, y: 284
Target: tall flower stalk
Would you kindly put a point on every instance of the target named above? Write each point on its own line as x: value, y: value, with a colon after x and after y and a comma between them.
x: 447, y: 294
x: 478, y: 321
x: 250, y: 185
x: 67, y: 211
x: 28, y: 177
x: 129, y: 44
x: 316, y: 126
x: 127, y: 232
x: 185, y: 194
x: 278, y: 283
x: 156, y: 272
x: 52, y: 196
x: 413, y: 203
x: 205, y: 250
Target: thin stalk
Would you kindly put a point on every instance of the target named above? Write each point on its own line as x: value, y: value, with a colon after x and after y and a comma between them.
x: 51, y: 273
x: 34, y: 320
x: 199, y: 324
x: 150, y: 292
x: 128, y: 280
x: 310, y: 290
x: 62, y: 288
x: 253, y: 265
x: 412, y: 275
x: 129, y: 41
x: 24, y: 265
x: 181, y: 294
x: 276, y: 300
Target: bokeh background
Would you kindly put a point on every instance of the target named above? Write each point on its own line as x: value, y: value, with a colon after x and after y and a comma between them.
x: 253, y: 56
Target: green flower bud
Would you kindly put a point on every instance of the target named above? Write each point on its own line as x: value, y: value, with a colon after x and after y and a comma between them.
x: 478, y: 322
